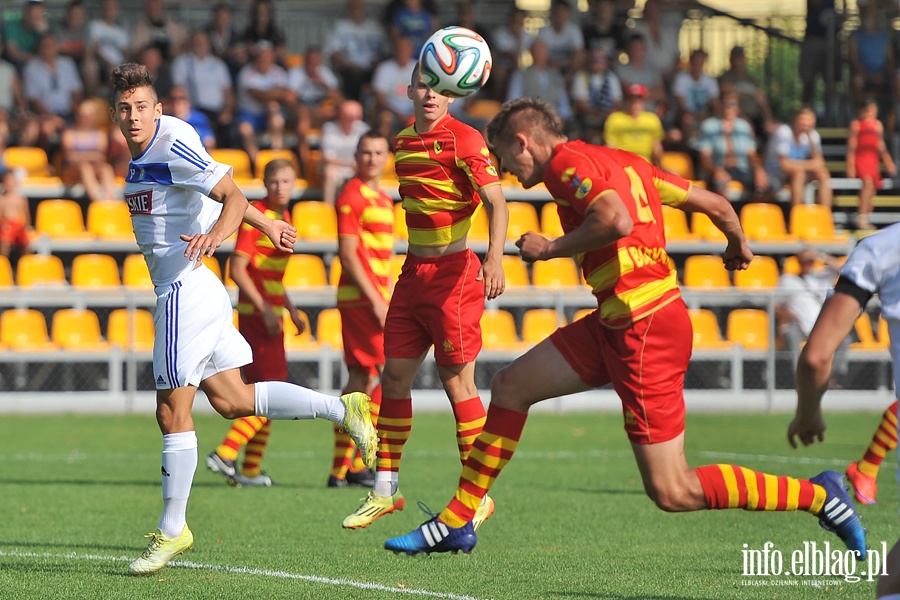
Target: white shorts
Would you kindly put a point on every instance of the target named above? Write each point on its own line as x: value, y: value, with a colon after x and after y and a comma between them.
x: 195, y: 337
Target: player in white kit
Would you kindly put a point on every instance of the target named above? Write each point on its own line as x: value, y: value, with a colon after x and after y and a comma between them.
x: 872, y: 268
x: 196, y: 344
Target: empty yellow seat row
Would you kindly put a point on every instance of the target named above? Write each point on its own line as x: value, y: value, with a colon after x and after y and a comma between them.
x: 75, y: 329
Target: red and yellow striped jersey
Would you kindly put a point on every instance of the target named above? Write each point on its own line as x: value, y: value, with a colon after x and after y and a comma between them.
x: 267, y: 263
x: 631, y: 278
x: 367, y: 215
x: 440, y: 174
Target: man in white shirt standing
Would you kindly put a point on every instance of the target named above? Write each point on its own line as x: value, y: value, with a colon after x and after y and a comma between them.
x: 794, y: 157
x: 355, y: 46
x: 340, y: 138
x: 196, y: 344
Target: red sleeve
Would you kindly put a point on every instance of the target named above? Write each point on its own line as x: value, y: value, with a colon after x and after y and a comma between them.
x: 576, y: 180
x: 472, y: 150
x: 246, y: 240
x: 349, y: 208
x: 673, y: 190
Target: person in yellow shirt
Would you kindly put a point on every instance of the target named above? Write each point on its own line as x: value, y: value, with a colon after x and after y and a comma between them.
x: 634, y: 128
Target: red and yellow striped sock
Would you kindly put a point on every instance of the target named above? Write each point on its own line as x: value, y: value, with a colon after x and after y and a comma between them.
x: 884, y: 440
x: 240, y: 433
x: 731, y: 486
x: 256, y: 447
x: 394, y: 427
x: 492, y: 449
x: 470, y: 418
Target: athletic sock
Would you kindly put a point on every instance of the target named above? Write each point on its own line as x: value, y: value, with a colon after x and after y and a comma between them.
x: 241, y: 432
x: 470, y: 417
x: 731, y: 486
x: 884, y: 440
x: 282, y: 400
x: 491, y: 451
x: 179, y: 462
x: 394, y: 427
x: 256, y: 448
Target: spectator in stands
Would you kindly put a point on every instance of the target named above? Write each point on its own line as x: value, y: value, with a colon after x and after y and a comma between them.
x: 871, y: 56
x: 208, y: 82
x: 541, y: 80
x: 84, y: 148
x: 794, y: 157
x: 660, y: 29
x: 355, y: 46
x: 413, y: 20
x: 179, y: 105
x: 753, y: 103
x: 565, y: 44
x: 72, y: 34
x: 602, y: 31
x: 636, y: 129
x: 21, y: 33
x: 156, y: 28
x: 596, y: 92
x: 696, y: 94
x: 264, y: 27
x: 339, y: 140
x: 108, y: 37
x: 801, y: 299
x: 15, y: 215
x: 393, y: 108
x: 318, y: 93
x: 865, y: 151
x: 53, y: 88
x: 727, y: 151
x: 262, y: 94
x: 18, y: 125
x: 637, y: 71
x: 508, y: 43
x: 151, y: 56
x: 226, y: 43
x: 817, y: 47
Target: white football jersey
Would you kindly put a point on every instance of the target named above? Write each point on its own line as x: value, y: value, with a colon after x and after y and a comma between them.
x: 874, y: 265
x: 165, y: 190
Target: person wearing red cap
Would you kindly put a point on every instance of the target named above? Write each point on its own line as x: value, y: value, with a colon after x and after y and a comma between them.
x: 635, y: 128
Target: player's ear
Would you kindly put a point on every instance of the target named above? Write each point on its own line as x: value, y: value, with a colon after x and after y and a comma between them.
x: 409, y: 92
x: 158, y: 111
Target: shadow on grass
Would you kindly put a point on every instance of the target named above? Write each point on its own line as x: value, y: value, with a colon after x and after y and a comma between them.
x: 620, y: 597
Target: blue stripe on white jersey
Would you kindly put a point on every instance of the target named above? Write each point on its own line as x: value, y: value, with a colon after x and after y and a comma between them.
x: 189, y: 155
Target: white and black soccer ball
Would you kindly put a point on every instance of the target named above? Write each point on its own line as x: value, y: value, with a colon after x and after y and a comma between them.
x: 455, y: 62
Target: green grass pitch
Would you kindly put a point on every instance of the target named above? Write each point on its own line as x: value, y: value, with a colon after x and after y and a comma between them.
x: 572, y: 521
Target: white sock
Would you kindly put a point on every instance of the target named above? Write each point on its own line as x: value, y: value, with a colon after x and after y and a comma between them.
x: 282, y: 400
x: 386, y: 483
x: 179, y: 461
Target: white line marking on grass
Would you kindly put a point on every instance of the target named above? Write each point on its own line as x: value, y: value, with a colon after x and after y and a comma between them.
x: 186, y: 564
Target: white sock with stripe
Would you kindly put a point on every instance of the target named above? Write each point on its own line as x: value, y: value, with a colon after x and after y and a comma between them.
x: 179, y: 462
x: 282, y: 400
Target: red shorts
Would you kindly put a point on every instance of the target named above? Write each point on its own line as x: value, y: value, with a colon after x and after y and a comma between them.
x: 645, y: 363
x: 437, y: 301
x: 269, y: 359
x: 869, y: 165
x: 363, y: 337
x: 13, y: 233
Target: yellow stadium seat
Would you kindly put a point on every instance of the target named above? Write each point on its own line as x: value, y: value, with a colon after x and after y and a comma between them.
x: 24, y: 329
x: 227, y: 280
x: 550, y: 224
x: 480, y: 230
x: 109, y: 219
x: 866, y: 335
x: 294, y: 340
x: 235, y: 158
x: 582, y: 313
x: 95, y: 271
x: 135, y: 273
x: 515, y: 270
x: 77, y: 329
x: 498, y: 330
x: 33, y: 161
x: 401, y: 232
x: 703, y: 228
x: 59, y: 218
x: 389, y: 175
x: 131, y: 329
x: 764, y: 222
x: 556, y: 273
x: 265, y: 156
x: 311, y: 168
x: 749, y: 327
x: 235, y: 318
x: 523, y: 217
x: 814, y: 223
x: 538, y: 323
x: 212, y: 263
x: 705, y: 271
x: 6, y: 275
x: 484, y: 109
x: 676, y: 225
x: 39, y: 270
x: 334, y: 271
x: 707, y: 335
x: 305, y: 270
x: 397, y: 261
x: 678, y: 163
x: 328, y: 328
x: 762, y: 273
x: 315, y: 221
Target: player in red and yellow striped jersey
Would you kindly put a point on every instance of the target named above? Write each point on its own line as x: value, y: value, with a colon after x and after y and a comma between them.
x: 365, y: 246
x: 257, y: 267
x: 639, y: 339
x: 446, y: 176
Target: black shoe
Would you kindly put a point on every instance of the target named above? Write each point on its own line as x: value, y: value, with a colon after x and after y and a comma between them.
x: 364, y: 478
x: 336, y: 483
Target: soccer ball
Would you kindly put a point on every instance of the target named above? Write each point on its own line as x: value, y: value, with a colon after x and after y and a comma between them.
x: 455, y: 62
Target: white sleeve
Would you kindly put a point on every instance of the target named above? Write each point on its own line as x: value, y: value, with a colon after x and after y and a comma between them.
x: 191, y: 166
x: 580, y: 86
x: 681, y: 85
x: 862, y: 268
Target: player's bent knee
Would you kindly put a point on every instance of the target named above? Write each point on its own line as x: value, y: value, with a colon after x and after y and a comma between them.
x: 671, y: 498
x: 505, y: 391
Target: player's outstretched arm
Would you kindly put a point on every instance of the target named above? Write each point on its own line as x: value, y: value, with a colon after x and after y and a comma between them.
x: 498, y: 219
x: 719, y: 210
